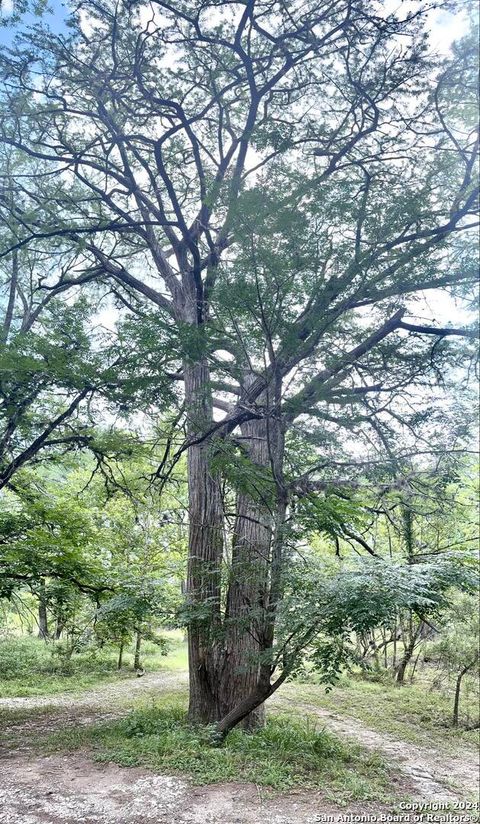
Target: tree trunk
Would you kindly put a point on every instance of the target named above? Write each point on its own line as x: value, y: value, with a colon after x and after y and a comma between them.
x: 138, y: 644
x: 395, y: 639
x: 374, y: 651
x: 246, y: 598
x: 385, y: 651
x: 42, y: 613
x: 402, y: 666
x: 224, y: 663
x: 458, y: 686
x: 120, y: 656
x: 248, y: 705
x: 278, y: 543
x: 205, y: 551
x: 456, y: 702
x: 412, y: 674
x: 59, y: 629
x: 409, y: 649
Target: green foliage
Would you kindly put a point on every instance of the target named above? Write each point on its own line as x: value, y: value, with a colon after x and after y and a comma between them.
x: 348, y: 210
x: 66, y: 528
x: 42, y: 537
x: 21, y: 656
x: 459, y: 633
x: 325, y: 608
x: 457, y: 649
x: 130, y: 610
x: 327, y: 515
x: 31, y: 667
x: 231, y: 461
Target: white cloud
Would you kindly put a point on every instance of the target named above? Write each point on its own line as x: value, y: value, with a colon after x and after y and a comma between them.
x: 6, y: 7
x: 447, y: 27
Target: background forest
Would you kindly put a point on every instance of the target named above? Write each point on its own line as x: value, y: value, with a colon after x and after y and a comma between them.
x: 238, y: 378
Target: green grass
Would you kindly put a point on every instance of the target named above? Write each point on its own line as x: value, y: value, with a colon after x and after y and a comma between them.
x: 413, y: 712
x: 31, y: 667
x: 286, y: 753
x: 177, y: 658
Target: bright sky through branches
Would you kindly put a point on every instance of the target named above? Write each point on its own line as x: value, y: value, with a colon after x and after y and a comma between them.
x: 445, y: 28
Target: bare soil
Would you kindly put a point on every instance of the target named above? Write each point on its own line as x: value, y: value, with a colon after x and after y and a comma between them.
x: 72, y: 789
x: 68, y: 789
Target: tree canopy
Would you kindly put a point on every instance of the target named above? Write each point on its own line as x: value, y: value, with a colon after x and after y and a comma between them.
x: 265, y: 196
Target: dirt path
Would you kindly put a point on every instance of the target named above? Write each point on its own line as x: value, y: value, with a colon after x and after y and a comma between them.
x: 67, y: 709
x: 70, y: 789
x: 73, y: 789
x: 433, y: 774
x: 111, y: 692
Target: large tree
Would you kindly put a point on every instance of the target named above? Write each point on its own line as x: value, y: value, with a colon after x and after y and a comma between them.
x: 273, y: 183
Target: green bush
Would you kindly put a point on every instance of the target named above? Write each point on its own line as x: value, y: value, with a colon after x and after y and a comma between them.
x: 22, y: 656
x: 29, y: 666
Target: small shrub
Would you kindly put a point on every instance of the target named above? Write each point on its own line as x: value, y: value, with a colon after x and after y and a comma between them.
x: 152, y: 721
x: 326, y: 745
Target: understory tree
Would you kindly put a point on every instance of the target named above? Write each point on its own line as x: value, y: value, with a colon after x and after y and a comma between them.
x: 457, y: 648
x: 267, y: 192
x: 100, y: 565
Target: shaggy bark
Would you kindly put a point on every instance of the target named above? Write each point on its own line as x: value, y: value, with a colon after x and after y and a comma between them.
x: 247, y: 592
x: 205, y: 551
x: 271, y: 448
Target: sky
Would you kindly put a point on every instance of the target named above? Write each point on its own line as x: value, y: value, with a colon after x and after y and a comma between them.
x: 445, y: 26
x: 55, y: 18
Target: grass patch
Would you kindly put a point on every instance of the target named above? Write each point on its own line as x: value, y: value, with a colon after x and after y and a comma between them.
x: 413, y: 712
x: 44, y: 684
x: 31, y: 667
x: 286, y: 753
